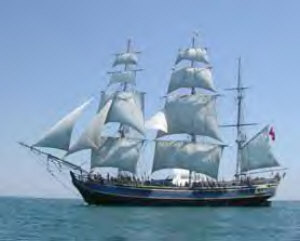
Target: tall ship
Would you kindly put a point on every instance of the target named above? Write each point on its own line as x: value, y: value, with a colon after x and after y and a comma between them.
x: 187, y: 138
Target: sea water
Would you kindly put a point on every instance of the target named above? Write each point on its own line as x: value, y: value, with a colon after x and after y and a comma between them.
x: 59, y: 219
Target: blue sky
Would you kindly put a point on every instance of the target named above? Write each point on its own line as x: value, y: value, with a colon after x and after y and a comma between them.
x: 54, y: 55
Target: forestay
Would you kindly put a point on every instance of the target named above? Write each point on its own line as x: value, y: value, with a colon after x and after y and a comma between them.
x: 257, y: 152
x: 126, y: 59
x: 192, y: 114
x: 122, y: 153
x: 198, y: 157
x: 59, y: 136
x: 189, y: 77
x: 193, y: 54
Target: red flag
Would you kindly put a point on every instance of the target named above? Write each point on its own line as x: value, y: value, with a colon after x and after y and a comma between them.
x: 272, y: 133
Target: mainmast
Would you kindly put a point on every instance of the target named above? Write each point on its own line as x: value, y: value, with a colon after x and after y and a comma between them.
x: 240, y: 137
x: 193, y: 92
x: 191, y: 114
x: 193, y: 89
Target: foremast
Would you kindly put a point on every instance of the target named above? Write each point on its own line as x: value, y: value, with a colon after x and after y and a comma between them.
x: 124, y: 106
x: 127, y: 109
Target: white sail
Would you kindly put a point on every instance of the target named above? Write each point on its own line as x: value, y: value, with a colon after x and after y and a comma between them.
x: 157, y: 122
x: 126, y: 59
x: 139, y: 98
x: 257, y: 152
x: 104, y: 98
x: 193, y: 54
x: 198, y: 157
x: 191, y: 77
x: 90, y: 138
x: 122, y: 77
x: 59, y: 136
x: 122, y: 153
x: 192, y: 114
x: 127, y: 108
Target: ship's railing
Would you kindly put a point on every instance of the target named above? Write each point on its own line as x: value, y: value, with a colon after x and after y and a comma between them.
x: 134, y: 182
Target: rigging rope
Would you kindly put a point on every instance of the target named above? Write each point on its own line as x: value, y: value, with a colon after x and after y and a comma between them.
x: 58, y: 167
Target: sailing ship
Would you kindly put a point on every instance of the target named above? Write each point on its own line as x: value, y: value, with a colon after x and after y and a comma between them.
x: 187, y: 138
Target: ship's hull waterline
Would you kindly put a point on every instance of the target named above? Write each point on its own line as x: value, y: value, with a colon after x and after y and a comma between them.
x: 101, y: 194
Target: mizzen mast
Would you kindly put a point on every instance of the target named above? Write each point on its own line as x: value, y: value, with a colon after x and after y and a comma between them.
x: 240, y: 135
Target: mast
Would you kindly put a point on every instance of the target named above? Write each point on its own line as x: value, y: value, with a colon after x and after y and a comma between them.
x: 193, y: 91
x: 124, y: 85
x: 192, y: 114
x: 239, y: 137
x: 126, y: 65
x: 127, y: 75
x: 124, y: 107
x: 127, y: 109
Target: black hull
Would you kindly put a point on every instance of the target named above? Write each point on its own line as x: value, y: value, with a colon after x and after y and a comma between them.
x: 97, y: 196
x: 102, y: 199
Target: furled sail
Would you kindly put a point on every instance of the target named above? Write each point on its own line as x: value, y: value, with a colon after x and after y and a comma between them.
x: 122, y: 153
x: 122, y: 77
x: 193, y: 54
x: 90, y: 138
x: 189, y: 77
x: 198, y: 157
x: 59, y: 136
x: 127, y: 108
x: 192, y: 114
x: 126, y: 59
x: 256, y: 153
